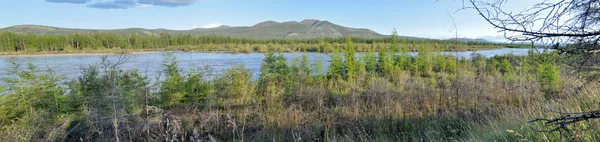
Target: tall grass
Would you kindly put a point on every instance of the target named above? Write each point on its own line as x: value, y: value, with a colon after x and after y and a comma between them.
x: 393, y: 97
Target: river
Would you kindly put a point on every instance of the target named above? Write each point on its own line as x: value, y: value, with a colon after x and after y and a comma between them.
x: 151, y: 64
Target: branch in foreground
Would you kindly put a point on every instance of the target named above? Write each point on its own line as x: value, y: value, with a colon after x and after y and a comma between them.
x: 562, y: 122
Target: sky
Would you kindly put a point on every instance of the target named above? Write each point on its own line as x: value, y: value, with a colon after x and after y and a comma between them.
x: 420, y: 18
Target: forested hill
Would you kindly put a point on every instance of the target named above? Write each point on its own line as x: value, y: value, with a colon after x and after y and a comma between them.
x: 265, y: 30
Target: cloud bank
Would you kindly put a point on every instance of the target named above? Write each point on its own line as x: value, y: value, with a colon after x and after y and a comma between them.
x: 168, y: 3
x: 125, y: 4
x: 109, y: 5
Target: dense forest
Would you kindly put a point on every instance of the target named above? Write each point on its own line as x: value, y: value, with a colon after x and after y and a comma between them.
x: 113, y: 42
x: 382, y: 95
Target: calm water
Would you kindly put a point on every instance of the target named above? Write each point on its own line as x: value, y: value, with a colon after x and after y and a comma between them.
x: 152, y: 63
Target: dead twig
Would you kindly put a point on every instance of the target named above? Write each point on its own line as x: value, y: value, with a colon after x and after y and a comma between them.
x: 562, y: 123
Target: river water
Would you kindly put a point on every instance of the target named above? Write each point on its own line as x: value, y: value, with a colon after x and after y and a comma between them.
x: 151, y: 64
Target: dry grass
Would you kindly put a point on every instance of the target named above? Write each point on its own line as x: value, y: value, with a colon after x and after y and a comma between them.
x: 401, y: 106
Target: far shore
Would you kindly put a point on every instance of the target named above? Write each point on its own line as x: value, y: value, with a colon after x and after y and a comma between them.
x: 72, y: 54
x: 98, y: 53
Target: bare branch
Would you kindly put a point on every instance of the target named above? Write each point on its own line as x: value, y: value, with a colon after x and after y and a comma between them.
x: 570, y: 26
x: 566, y: 119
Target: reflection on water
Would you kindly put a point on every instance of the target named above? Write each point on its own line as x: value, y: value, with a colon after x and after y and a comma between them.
x: 152, y: 63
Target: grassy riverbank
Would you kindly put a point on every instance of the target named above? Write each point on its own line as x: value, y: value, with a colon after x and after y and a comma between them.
x: 246, y: 48
x: 375, y: 97
x: 259, y: 48
x: 13, y: 44
x: 75, y: 53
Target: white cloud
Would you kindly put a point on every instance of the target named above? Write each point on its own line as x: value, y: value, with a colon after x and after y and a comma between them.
x: 142, y: 5
x: 213, y: 25
x: 125, y: 4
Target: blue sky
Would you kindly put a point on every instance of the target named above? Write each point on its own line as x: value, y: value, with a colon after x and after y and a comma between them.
x: 422, y: 18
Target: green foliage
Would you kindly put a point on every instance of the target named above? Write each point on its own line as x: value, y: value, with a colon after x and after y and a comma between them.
x: 33, y: 101
x: 479, y: 63
x: 179, y: 88
x: 370, y: 60
x: 235, y: 87
x: 276, y: 77
x: 549, y: 75
x: 350, y: 68
x: 289, y: 101
x: 305, y: 68
x: 394, y: 47
x: 527, y: 68
x: 124, y: 42
x: 335, y: 67
x: 404, y: 61
x: 197, y: 89
x: 318, y: 67
x: 384, y: 62
x: 548, y: 71
x: 423, y: 63
x: 451, y: 64
x: 491, y: 66
x: 439, y: 64
x: 505, y: 67
x: 172, y: 92
x: 274, y: 66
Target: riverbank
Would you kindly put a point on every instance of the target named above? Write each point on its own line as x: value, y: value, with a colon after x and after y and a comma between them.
x: 77, y: 52
x: 72, y: 53
x: 203, y: 49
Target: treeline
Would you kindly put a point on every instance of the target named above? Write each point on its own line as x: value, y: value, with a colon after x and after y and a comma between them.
x: 379, y: 96
x: 11, y: 42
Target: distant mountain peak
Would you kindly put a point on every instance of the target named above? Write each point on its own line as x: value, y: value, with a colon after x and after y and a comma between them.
x: 305, y: 29
x: 223, y: 26
x: 290, y: 22
x: 309, y: 21
x: 266, y: 23
x: 469, y: 39
x: 32, y: 26
x: 305, y: 22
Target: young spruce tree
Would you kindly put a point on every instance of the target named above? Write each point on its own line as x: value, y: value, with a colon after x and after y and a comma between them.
x: 335, y: 67
x: 350, y: 60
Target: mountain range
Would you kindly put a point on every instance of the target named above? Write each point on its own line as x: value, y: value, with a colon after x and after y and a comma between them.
x: 305, y: 29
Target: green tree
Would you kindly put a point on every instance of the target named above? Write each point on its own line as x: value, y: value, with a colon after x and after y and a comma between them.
x: 33, y: 102
x: 274, y: 66
x: 451, y: 63
x: 335, y: 67
x: 383, y: 62
x: 549, y: 75
x: 440, y: 63
x: 394, y: 47
x: 423, y: 62
x: 235, y: 87
x: 548, y: 71
x: 370, y: 60
x: 504, y: 66
x: 172, y: 92
x: 350, y: 68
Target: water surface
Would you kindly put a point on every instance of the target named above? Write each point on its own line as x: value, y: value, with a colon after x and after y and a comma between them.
x: 151, y: 64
